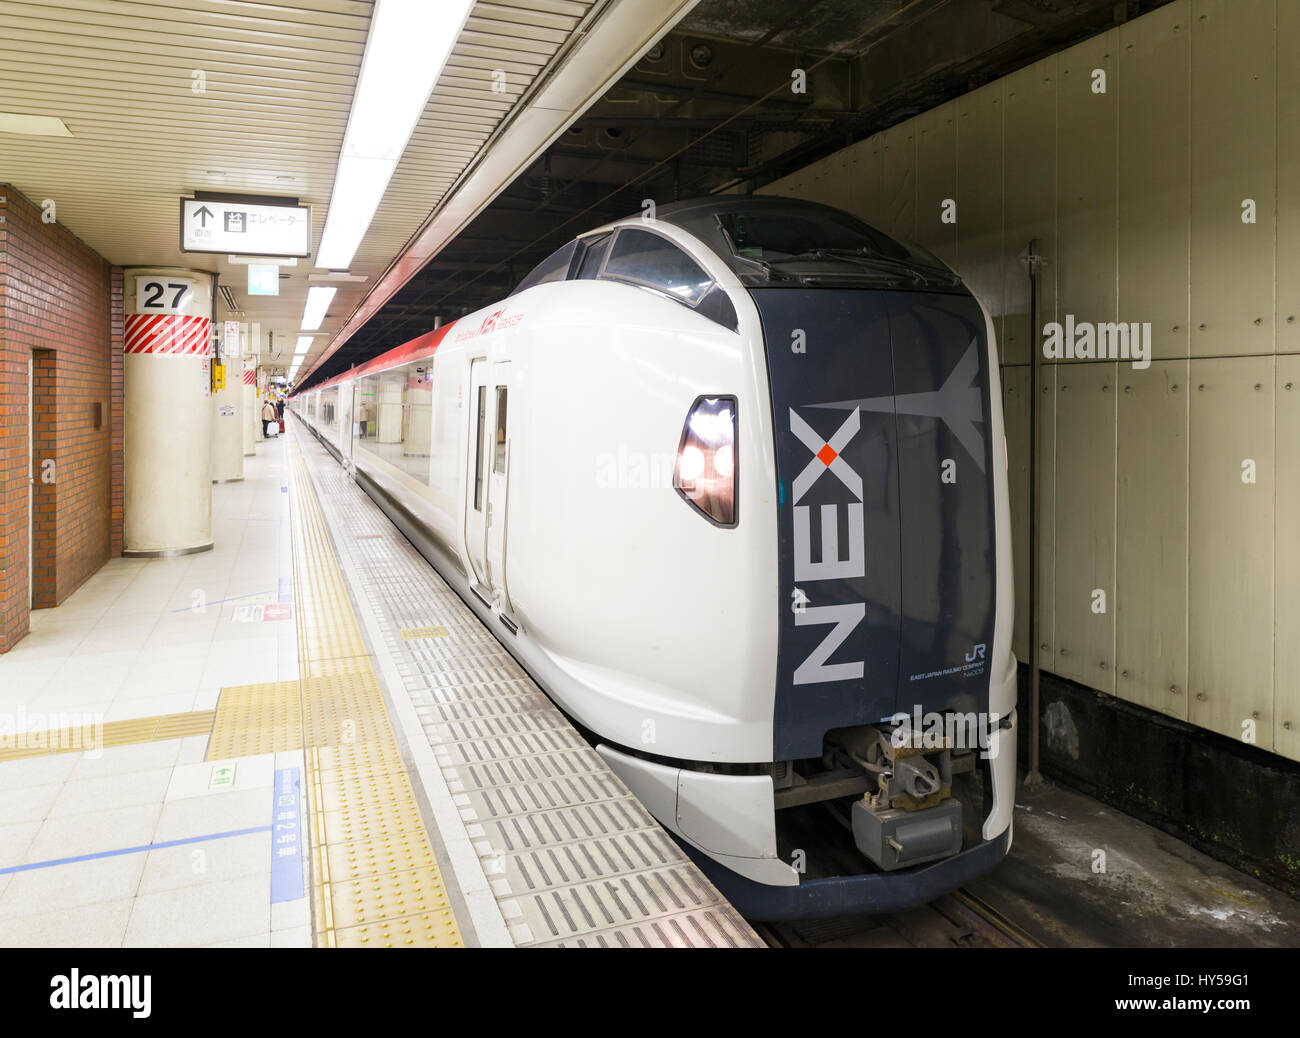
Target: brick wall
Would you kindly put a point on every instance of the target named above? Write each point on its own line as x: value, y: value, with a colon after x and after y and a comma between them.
x: 45, y: 489
x: 116, y: 416
x: 62, y: 299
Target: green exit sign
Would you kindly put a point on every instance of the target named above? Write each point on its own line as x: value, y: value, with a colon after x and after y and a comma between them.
x: 263, y: 279
x: 223, y: 777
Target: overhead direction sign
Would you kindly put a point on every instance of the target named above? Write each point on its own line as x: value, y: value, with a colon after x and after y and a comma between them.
x: 246, y: 228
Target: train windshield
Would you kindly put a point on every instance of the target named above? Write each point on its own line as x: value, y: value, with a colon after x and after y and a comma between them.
x: 769, y: 234
x: 776, y: 242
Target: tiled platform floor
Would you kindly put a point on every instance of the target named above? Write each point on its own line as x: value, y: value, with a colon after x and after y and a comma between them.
x: 143, y: 638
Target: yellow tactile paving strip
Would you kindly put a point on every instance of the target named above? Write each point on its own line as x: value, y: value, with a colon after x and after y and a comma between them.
x: 14, y: 746
x: 252, y: 719
x: 376, y: 881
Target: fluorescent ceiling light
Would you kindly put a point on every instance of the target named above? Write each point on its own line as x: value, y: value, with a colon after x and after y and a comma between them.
x: 318, y: 301
x: 303, y: 345
x: 33, y: 125
x: 279, y: 261
x: 405, y: 52
x: 359, y: 185
x: 338, y: 275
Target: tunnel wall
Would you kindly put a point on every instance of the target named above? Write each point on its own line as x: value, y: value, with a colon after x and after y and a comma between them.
x: 1158, y: 167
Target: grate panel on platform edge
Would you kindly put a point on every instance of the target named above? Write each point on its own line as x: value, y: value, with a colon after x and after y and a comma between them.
x: 571, y: 856
x: 706, y: 928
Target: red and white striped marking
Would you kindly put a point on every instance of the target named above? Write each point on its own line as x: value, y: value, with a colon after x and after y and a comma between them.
x: 250, y: 377
x: 172, y: 334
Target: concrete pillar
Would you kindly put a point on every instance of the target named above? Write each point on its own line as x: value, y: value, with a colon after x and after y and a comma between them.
x: 228, y: 413
x: 168, y: 429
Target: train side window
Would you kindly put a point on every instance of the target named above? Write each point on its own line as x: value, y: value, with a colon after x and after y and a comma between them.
x: 654, y: 261
x: 478, y: 448
x: 716, y: 306
x: 364, y: 396
x: 499, y: 455
x: 554, y: 268
x: 593, y: 253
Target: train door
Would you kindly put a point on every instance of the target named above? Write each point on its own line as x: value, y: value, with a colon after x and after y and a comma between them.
x: 479, y: 457
x: 346, y: 412
x: 498, y: 484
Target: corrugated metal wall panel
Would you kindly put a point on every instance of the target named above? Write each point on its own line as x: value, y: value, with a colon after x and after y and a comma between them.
x: 1230, y: 547
x: 1286, y: 737
x: 1234, y: 158
x: 1155, y: 175
x: 1151, y: 537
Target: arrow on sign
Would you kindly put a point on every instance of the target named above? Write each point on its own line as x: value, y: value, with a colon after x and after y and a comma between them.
x: 222, y: 776
x: 203, y: 212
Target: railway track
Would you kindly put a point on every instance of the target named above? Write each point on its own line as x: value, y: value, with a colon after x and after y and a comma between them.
x: 957, y: 920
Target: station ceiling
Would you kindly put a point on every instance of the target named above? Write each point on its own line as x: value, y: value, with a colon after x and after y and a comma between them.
x: 167, y: 98
x: 710, y: 108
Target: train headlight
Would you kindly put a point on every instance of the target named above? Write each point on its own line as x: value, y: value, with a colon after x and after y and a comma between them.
x: 690, y: 464
x: 705, y: 474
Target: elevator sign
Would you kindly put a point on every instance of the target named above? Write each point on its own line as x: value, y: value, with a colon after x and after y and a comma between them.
x: 246, y: 228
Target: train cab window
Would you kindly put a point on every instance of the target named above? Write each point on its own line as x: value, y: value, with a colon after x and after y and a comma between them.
x: 593, y: 254
x: 499, y: 453
x: 781, y: 234
x: 651, y: 260
x: 481, y: 429
x: 554, y: 268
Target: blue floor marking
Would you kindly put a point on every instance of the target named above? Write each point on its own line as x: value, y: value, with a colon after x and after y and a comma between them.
x: 286, y: 844
x: 134, y: 850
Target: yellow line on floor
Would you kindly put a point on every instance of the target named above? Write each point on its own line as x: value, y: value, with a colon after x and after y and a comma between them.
x: 90, y: 736
x: 376, y: 881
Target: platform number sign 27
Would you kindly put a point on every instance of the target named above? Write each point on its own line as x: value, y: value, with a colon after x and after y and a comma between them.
x: 163, y: 295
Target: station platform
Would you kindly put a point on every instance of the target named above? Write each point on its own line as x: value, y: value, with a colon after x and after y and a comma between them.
x: 304, y: 738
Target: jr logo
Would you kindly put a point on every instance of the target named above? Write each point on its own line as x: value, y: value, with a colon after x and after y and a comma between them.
x: 827, y: 456
x: 976, y: 653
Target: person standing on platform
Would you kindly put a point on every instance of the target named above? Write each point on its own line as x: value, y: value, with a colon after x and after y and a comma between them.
x: 268, y: 416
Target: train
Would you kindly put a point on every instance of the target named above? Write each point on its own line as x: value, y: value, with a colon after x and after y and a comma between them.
x: 729, y: 479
